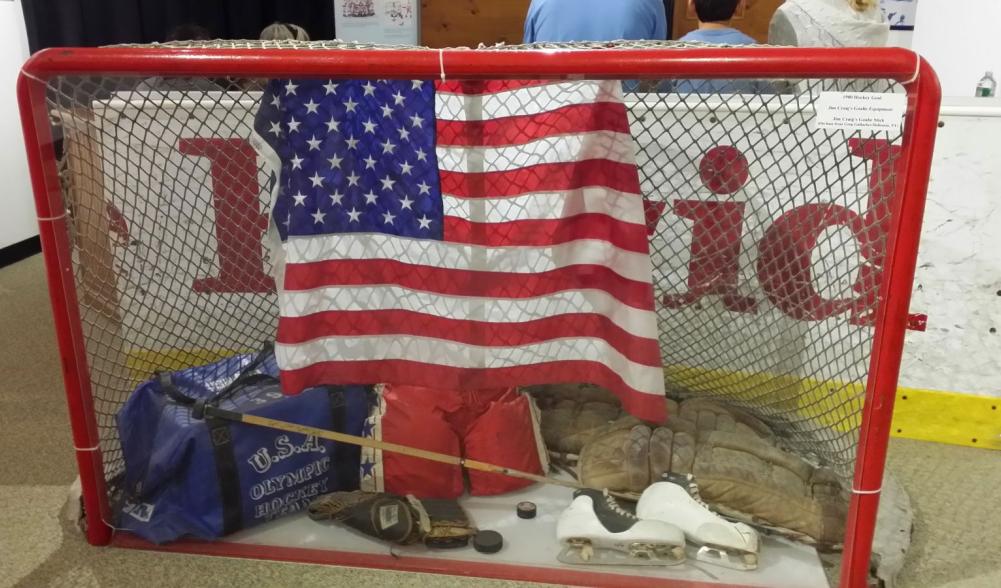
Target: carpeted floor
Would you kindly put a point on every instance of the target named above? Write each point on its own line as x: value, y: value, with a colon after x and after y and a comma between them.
x: 956, y: 540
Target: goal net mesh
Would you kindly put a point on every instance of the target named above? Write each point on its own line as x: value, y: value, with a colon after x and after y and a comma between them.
x: 767, y: 236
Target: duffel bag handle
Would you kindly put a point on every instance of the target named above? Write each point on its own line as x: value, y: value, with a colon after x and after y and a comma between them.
x: 244, y: 379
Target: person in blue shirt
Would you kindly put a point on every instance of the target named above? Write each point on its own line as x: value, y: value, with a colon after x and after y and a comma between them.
x: 714, y: 27
x: 564, y: 21
x: 714, y: 23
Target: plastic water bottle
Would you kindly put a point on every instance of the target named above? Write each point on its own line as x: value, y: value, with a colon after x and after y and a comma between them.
x: 986, y: 86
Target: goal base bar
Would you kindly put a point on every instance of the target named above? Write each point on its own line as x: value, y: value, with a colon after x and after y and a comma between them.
x: 390, y: 562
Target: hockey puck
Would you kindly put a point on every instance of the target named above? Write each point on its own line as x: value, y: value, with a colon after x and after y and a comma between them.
x: 488, y: 542
x: 526, y: 510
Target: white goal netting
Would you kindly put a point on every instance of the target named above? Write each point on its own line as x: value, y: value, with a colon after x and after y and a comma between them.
x: 767, y: 235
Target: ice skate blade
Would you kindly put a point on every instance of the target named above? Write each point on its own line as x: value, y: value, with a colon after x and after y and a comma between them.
x: 582, y: 553
x: 735, y: 561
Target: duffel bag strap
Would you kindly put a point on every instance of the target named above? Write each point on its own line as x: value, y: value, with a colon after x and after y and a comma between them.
x: 227, y: 474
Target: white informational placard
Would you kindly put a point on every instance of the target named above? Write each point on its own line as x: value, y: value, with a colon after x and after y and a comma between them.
x: 901, y: 14
x: 860, y: 111
x: 377, y: 21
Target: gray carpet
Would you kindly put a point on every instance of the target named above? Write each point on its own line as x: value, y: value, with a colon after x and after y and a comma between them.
x: 953, y: 489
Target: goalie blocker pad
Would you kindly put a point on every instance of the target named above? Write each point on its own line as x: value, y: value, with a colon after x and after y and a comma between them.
x: 205, y: 477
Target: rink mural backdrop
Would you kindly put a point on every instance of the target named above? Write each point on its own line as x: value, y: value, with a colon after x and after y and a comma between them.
x: 708, y: 199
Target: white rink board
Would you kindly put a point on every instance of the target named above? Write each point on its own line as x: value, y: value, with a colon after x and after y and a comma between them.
x: 958, y: 280
x: 532, y: 542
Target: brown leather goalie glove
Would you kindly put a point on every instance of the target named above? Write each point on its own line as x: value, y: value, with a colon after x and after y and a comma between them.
x: 573, y: 414
x: 752, y: 481
x: 396, y: 519
x: 739, y: 468
x: 743, y: 473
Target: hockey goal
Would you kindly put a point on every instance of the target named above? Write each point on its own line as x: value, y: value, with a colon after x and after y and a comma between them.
x: 783, y: 238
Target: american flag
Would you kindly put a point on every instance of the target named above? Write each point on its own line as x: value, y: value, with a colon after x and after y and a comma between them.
x: 462, y: 235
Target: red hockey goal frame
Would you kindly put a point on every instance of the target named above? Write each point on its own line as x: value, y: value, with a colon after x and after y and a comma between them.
x: 902, y: 66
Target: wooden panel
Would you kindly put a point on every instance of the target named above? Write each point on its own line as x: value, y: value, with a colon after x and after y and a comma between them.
x: 467, y: 23
x: 752, y: 18
x: 97, y: 281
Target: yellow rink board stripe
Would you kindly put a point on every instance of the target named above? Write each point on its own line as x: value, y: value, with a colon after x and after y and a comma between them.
x: 947, y: 417
x: 143, y: 362
x: 928, y: 415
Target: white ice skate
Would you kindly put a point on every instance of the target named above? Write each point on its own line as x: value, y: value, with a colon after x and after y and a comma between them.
x: 720, y: 542
x: 595, y: 529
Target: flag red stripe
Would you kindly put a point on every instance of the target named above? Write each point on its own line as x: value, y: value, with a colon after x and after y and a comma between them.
x: 293, y: 330
x: 547, y: 177
x: 649, y: 407
x: 515, y: 130
x: 480, y: 87
x: 546, y: 232
x: 463, y: 282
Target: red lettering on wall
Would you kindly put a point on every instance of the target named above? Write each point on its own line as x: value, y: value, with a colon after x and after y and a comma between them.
x: 784, y: 256
x: 784, y: 253
x: 652, y: 210
x: 784, y: 267
x: 715, y: 252
x: 724, y: 169
x: 239, y: 224
x: 884, y: 159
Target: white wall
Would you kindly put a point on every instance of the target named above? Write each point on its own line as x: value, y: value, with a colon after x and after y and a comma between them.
x: 958, y: 279
x: 900, y: 39
x: 960, y: 40
x: 17, y: 220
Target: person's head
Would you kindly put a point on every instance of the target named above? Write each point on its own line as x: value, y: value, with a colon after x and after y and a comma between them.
x: 282, y: 31
x: 189, y: 32
x: 714, y: 10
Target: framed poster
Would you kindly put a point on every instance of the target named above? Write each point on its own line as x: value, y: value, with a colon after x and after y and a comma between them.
x: 377, y: 21
x: 900, y: 13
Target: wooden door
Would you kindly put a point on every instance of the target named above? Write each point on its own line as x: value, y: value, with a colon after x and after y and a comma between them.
x: 467, y: 23
x: 752, y: 18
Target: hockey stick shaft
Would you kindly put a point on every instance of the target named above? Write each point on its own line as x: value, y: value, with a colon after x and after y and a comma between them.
x: 472, y: 464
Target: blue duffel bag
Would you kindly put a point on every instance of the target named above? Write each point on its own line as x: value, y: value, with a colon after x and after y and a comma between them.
x: 188, y: 473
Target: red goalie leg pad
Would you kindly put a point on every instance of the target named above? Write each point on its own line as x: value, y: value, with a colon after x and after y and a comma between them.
x: 415, y: 417
x: 505, y: 434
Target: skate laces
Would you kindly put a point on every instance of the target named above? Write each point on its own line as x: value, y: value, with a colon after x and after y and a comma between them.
x: 614, y: 505
x: 693, y: 489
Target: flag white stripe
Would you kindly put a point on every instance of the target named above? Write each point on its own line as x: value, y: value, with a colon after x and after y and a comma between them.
x: 621, y: 206
x: 432, y: 253
x: 642, y: 323
x: 645, y: 379
x: 607, y: 145
x: 528, y: 101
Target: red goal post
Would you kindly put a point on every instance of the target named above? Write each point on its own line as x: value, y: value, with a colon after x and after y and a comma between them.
x: 42, y: 84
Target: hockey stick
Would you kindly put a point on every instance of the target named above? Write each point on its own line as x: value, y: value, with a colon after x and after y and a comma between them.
x: 472, y: 464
